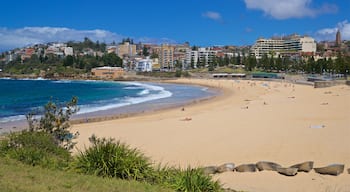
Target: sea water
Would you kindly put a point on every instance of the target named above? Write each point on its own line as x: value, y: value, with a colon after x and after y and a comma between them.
x: 19, y: 97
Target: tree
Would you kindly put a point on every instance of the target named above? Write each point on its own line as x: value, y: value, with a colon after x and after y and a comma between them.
x: 264, y: 62
x: 192, y: 63
x: 55, y: 121
x: 68, y: 61
x: 145, y: 51
x: 340, y: 65
x: 111, y: 59
x: 211, y: 67
x: 250, y: 63
x: 278, y: 63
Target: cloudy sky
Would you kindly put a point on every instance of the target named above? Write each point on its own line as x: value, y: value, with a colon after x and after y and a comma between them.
x: 200, y: 22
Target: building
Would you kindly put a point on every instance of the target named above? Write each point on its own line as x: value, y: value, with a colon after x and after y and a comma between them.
x: 107, y: 72
x: 338, y: 39
x: 144, y: 65
x: 191, y: 59
x: 68, y: 51
x: 126, y: 50
x: 112, y: 49
x: 28, y: 52
x: 293, y: 44
x: 166, y: 57
x: 206, y: 56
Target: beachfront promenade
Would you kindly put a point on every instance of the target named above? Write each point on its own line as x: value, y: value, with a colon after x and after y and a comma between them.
x: 251, y: 121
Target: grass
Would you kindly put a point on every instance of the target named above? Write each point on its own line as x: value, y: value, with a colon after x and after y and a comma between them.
x: 33, y: 161
x: 109, y: 158
x: 18, y: 177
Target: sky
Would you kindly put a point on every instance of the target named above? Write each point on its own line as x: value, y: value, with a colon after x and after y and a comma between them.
x: 199, y: 22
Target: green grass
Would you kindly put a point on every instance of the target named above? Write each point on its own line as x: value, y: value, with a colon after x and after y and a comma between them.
x: 18, y: 177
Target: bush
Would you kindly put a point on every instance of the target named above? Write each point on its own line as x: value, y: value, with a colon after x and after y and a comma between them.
x: 35, y: 148
x: 55, y: 121
x: 190, y: 179
x: 107, y: 158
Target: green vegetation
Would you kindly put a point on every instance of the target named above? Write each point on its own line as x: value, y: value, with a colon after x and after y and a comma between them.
x: 35, y: 148
x: 107, y: 158
x: 190, y: 179
x: 55, y: 121
x: 45, y: 147
x: 18, y: 177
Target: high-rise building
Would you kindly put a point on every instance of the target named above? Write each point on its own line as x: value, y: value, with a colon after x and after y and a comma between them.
x: 338, y: 39
x: 284, y: 45
x: 166, y: 57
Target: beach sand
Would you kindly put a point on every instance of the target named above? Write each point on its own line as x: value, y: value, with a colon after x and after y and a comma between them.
x: 251, y: 121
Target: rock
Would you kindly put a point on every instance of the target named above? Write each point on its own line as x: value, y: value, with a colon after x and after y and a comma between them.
x: 246, y: 168
x: 210, y: 170
x: 304, y: 167
x: 266, y: 165
x: 334, y: 169
x: 287, y: 171
x: 349, y: 170
x: 226, y: 167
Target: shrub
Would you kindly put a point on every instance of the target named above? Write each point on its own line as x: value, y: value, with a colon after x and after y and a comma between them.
x: 55, y: 121
x: 190, y: 179
x: 35, y: 148
x: 108, y: 158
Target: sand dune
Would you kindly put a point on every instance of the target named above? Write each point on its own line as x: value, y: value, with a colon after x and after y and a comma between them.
x: 251, y: 121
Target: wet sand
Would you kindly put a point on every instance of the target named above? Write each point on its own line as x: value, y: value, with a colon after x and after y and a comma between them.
x: 251, y: 121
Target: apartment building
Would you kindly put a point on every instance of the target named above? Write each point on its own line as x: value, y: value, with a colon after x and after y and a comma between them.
x: 191, y: 58
x: 206, y: 56
x: 126, y: 49
x: 285, y: 45
x: 166, y: 57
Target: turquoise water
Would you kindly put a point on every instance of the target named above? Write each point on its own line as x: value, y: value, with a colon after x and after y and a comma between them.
x: 19, y: 97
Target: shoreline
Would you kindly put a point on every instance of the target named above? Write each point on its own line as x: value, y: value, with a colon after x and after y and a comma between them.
x: 125, y: 111
x: 280, y: 125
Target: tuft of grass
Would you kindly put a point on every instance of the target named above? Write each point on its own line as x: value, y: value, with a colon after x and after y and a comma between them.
x: 18, y: 177
x: 108, y: 158
x: 192, y: 179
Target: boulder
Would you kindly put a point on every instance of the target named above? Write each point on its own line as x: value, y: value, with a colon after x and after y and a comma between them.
x: 226, y: 167
x: 246, y: 168
x: 349, y: 170
x: 287, y: 171
x: 266, y: 165
x: 334, y: 169
x: 210, y: 170
x: 304, y: 167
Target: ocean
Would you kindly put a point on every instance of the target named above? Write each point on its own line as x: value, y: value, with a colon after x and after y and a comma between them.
x: 19, y: 97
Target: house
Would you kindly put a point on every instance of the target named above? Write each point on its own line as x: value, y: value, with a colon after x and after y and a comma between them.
x: 144, y: 65
x: 107, y: 72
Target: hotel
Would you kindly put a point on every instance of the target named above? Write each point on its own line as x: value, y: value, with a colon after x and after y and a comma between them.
x: 293, y: 44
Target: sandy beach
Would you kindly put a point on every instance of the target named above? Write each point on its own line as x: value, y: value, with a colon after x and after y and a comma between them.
x: 251, y: 121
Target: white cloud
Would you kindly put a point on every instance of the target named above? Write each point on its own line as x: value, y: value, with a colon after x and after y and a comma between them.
x: 15, y: 38
x: 284, y: 9
x: 212, y: 15
x: 330, y: 33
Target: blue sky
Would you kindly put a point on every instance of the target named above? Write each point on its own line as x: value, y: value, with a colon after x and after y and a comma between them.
x: 200, y: 22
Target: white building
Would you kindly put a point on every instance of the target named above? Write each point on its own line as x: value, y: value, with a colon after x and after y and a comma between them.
x: 283, y: 45
x: 191, y: 56
x: 144, y: 65
x: 206, y: 55
x: 68, y: 51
